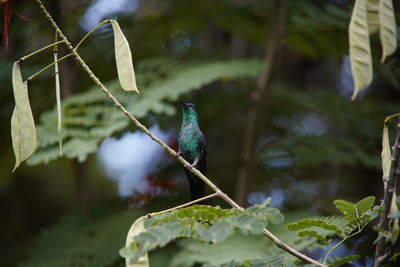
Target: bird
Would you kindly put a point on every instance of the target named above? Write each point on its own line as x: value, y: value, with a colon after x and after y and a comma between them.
x: 192, y: 147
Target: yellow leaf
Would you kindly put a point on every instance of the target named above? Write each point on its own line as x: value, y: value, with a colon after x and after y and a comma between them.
x: 137, y: 228
x: 123, y: 57
x: 373, y: 16
x: 386, y: 154
x: 360, y: 53
x: 387, y: 28
x: 23, y: 132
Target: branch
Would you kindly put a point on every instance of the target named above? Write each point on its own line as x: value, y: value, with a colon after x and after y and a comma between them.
x: 48, y: 66
x: 383, y: 254
x: 169, y: 150
x: 40, y: 50
x: 182, y: 206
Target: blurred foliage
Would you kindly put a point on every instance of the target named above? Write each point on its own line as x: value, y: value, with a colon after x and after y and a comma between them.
x: 317, y: 146
x: 80, y: 241
x: 88, y: 117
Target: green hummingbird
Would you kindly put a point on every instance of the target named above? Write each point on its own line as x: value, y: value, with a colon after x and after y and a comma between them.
x: 192, y: 147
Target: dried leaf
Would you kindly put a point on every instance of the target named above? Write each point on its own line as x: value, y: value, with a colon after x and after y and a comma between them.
x: 387, y: 28
x: 386, y: 154
x: 123, y: 57
x: 23, y: 132
x: 136, y: 228
x: 360, y: 53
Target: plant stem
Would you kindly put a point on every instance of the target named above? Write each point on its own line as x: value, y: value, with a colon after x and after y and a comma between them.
x: 382, y: 253
x: 40, y: 50
x: 89, y: 33
x: 48, y: 66
x: 183, y: 205
x: 339, y: 243
x: 58, y: 96
x: 172, y: 152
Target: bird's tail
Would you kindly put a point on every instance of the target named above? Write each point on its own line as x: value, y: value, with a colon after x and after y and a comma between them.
x: 197, y: 186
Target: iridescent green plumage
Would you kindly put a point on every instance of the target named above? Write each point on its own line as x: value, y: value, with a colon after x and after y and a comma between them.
x: 192, y: 147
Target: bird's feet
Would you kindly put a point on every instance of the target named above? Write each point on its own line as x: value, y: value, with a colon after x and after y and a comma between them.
x: 178, y: 154
x: 190, y: 167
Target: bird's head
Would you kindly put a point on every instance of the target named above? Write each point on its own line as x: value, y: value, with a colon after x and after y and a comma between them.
x: 189, y: 110
x: 187, y: 106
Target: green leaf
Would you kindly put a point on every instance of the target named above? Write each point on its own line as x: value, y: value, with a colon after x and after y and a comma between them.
x: 312, y: 233
x: 220, y: 231
x: 123, y: 57
x: 237, y: 250
x: 340, y: 261
x: 356, y: 214
x: 322, y: 223
x: 386, y: 154
x: 88, y: 116
x: 387, y: 28
x: 360, y: 51
x: 23, y: 131
x: 205, y: 223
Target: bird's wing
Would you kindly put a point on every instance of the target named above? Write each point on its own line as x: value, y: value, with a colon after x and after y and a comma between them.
x: 203, y: 158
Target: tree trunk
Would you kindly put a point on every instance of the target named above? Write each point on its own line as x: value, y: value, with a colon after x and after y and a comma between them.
x: 256, y: 115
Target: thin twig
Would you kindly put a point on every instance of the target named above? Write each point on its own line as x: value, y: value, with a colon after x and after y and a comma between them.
x: 40, y: 50
x: 48, y: 66
x: 90, y: 32
x: 341, y: 242
x: 183, y: 205
x: 172, y: 152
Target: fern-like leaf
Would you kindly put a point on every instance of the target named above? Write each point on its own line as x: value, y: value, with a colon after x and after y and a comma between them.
x: 306, y: 223
x: 89, y: 117
x: 353, y: 211
x: 357, y: 214
x: 204, y: 223
x: 320, y: 228
x: 339, y: 261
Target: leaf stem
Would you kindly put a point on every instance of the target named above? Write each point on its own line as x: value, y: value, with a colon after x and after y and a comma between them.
x: 183, y: 205
x: 339, y: 243
x: 389, y: 118
x: 40, y: 50
x: 170, y: 151
x: 91, y: 31
x: 48, y: 66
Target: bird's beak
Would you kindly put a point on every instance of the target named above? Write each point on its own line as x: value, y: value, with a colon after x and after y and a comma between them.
x: 183, y: 104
